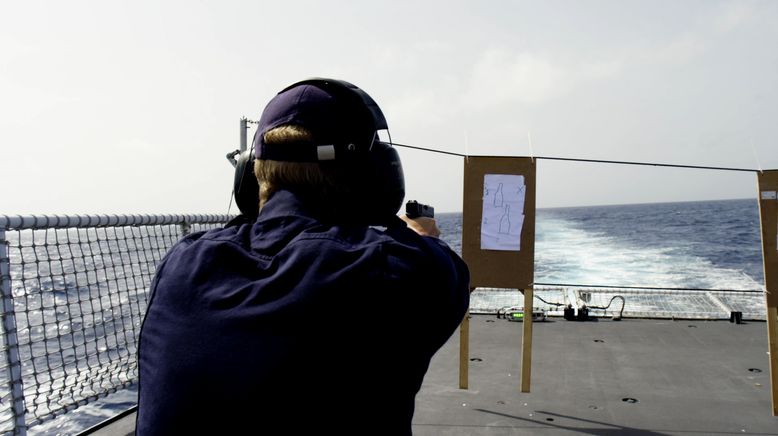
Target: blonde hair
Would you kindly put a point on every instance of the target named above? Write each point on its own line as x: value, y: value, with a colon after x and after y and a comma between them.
x: 316, y: 179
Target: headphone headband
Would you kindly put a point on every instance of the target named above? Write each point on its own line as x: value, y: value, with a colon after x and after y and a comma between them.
x: 336, y: 85
x: 342, y: 118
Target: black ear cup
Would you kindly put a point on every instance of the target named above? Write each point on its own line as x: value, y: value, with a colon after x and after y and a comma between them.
x: 245, y: 186
x: 381, y: 183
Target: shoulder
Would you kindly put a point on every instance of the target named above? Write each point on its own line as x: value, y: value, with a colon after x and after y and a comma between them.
x: 206, y: 248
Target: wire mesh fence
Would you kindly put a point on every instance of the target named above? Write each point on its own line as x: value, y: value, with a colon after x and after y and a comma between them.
x: 74, y: 295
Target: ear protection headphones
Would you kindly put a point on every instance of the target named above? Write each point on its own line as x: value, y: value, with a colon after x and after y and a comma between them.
x: 344, y: 121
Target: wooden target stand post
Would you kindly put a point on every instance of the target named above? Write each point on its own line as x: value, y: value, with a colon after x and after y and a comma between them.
x: 768, y: 211
x: 498, y: 240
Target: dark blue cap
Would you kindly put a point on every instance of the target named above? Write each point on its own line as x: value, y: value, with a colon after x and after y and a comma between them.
x: 341, y: 117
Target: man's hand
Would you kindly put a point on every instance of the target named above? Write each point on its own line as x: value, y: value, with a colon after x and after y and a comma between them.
x: 422, y: 225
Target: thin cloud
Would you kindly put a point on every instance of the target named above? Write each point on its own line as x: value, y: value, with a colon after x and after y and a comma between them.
x: 500, y: 76
x: 682, y: 49
x: 733, y: 15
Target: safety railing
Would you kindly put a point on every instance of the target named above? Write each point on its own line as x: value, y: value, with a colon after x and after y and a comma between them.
x: 74, y: 292
x: 631, y: 302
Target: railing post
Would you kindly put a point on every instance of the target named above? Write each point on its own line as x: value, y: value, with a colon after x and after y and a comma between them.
x: 243, y: 139
x: 11, y: 339
x: 464, y: 350
x: 185, y: 228
x: 526, y: 339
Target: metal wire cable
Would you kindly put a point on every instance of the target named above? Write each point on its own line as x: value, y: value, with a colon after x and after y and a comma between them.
x: 550, y: 304
x: 623, y: 304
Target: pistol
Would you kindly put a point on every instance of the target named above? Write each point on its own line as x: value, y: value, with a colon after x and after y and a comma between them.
x: 414, y: 209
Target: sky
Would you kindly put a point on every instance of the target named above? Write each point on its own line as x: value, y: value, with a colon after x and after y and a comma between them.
x: 131, y: 106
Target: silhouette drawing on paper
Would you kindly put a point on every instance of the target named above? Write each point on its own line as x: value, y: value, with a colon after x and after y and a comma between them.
x: 505, y: 221
x: 498, y: 199
x: 503, y: 212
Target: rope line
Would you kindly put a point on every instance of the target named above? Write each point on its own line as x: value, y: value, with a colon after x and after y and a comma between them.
x: 616, y: 162
x: 653, y: 164
x: 430, y: 150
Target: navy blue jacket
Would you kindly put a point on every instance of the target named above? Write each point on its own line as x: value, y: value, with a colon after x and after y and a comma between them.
x: 288, y: 325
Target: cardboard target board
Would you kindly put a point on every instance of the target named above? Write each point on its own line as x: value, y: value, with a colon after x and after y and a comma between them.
x: 768, y: 210
x: 498, y: 221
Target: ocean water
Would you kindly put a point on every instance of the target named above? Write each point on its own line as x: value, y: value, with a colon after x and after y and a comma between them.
x: 711, y: 245
x: 708, y: 245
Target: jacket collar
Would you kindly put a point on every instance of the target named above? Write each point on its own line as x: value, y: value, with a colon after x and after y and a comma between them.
x: 284, y: 203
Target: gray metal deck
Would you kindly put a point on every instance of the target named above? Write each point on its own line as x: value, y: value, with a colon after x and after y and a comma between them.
x: 688, y: 377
